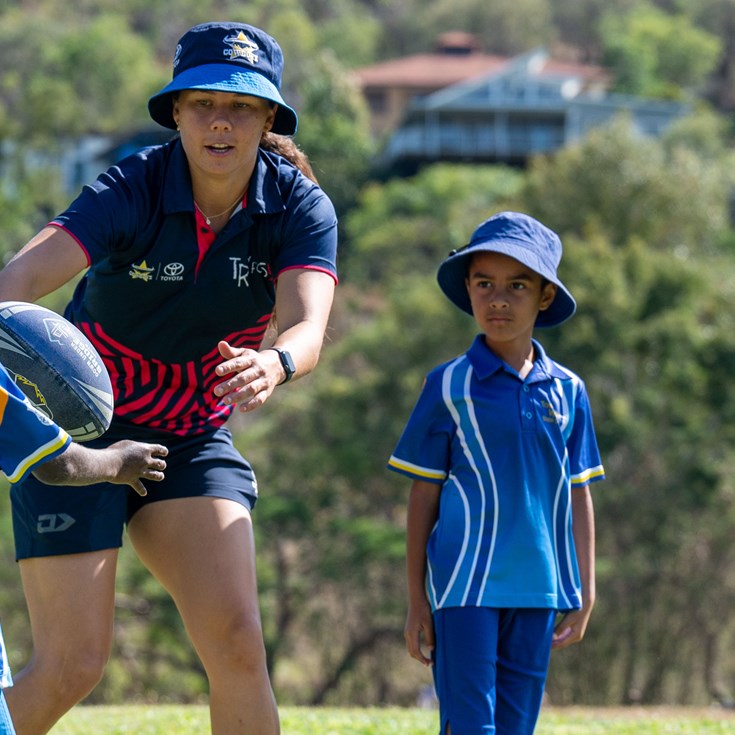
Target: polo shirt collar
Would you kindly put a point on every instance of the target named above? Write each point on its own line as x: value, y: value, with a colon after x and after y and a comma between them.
x: 486, y: 363
x: 264, y: 194
x: 177, y: 192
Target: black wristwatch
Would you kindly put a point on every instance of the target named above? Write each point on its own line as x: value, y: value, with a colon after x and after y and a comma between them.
x: 287, y: 361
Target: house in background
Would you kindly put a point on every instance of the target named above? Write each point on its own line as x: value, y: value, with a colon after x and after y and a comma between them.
x: 460, y: 104
x: 390, y: 86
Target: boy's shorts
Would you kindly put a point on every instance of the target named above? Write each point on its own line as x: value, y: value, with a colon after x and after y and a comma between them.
x: 50, y: 520
x: 6, y: 724
x: 490, y: 668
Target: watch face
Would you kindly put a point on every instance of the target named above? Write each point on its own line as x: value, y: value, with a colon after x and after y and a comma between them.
x: 288, y: 364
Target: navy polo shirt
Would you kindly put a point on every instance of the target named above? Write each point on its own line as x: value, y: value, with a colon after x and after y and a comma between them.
x: 155, y: 303
x: 506, y: 452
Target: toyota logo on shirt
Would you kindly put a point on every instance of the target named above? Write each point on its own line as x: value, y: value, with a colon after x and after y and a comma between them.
x: 173, y: 269
x: 173, y: 272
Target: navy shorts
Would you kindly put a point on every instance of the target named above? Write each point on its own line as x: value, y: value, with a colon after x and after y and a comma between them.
x: 50, y: 521
x: 490, y: 668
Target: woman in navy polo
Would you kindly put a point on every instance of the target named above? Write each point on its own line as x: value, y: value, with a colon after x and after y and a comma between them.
x: 191, y: 249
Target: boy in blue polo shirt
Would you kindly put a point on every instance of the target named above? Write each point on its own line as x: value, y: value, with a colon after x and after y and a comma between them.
x: 501, y: 450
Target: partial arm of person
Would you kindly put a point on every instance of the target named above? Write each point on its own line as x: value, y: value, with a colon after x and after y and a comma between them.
x: 303, y: 302
x: 122, y: 463
x: 423, y: 509
x: 572, y: 626
x: 48, y: 261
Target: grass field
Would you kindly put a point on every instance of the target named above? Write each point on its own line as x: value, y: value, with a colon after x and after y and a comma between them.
x: 176, y: 720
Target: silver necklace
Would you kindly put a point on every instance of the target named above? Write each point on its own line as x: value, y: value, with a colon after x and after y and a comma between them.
x: 208, y: 219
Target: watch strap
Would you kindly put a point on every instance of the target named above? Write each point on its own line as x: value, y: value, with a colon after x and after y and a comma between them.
x: 289, y: 368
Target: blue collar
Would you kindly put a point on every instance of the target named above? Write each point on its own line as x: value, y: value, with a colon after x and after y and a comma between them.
x: 486, y: 363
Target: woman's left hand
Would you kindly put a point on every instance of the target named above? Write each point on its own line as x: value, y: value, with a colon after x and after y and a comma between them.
x: 251, y: 376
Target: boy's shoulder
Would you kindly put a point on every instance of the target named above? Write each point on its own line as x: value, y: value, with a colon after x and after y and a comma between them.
x: 553, y: 368
x: 437, y: 372
x: 557, y: 370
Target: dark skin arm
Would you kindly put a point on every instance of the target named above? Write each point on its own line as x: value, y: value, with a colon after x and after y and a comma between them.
x: 423, y: 508
x: 122, y: 463
x: 571, y: 628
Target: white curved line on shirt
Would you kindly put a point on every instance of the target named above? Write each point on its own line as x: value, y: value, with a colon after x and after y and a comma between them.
x: 559, y: 489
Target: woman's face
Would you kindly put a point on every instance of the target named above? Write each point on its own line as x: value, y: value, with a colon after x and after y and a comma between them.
x: 220, y: 131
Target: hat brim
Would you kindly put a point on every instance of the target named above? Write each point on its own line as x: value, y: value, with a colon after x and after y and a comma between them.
x: 222, y: 78
x: 452, y: 277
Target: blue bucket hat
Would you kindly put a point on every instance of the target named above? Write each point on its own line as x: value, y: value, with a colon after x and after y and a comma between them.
x: 226, y: 57
x: 518, y: 236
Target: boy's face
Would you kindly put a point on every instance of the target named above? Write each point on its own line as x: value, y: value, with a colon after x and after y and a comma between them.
x: 506, y: 298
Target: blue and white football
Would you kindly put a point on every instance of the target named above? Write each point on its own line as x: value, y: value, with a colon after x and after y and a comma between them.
x: 57, y: 368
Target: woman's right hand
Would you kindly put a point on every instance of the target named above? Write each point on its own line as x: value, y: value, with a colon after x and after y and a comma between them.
x: 249, y: 376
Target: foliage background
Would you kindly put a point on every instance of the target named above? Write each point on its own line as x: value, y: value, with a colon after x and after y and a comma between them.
x: 648, y: 234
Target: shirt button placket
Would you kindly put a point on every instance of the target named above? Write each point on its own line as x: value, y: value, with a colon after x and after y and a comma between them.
x: 526, y: 408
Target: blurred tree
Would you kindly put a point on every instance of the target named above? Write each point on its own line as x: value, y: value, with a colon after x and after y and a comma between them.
x: 627, y: 185
x: 704, y: 132
x: 506, y: 27
x: 718, y: 18
x: 28, y: 199
x: 655, y: 54
x: 349, y: 28
x: 578, y: 23
x: 407, y: 225
x: 47, y: 91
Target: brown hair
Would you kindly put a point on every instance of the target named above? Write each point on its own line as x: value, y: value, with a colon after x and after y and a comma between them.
x: 284, y: 146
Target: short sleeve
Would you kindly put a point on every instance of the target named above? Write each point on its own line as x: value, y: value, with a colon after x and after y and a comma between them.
x: 28, y: 438
x: 423, y: 451
x: 584, y: 456
x: 113, y: 212
x: 309, y: 235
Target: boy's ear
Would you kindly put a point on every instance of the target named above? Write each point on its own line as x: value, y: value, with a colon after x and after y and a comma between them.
x: 548, y: 294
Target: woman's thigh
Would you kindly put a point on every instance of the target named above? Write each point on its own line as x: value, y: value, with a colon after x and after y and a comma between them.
x: 203, y: 552
x: 71, y: 603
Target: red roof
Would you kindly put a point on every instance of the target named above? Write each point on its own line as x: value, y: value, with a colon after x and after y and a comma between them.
x: 428, y: 71
x: 457, y: 58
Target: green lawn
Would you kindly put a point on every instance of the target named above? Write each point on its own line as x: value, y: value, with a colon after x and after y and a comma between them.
x: 176, y: 720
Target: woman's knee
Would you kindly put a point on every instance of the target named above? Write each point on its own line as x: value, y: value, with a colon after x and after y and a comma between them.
x: 73, y: 673
x: 236, y: 642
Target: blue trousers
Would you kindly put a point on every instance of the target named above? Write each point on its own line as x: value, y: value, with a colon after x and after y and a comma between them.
x: 490, y: 668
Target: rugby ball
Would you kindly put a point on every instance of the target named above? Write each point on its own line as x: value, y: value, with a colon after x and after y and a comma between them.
x: 57, y: 368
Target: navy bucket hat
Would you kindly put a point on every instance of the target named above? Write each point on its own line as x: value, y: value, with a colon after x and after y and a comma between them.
x: 518, y: 236
x: 226, y: 57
